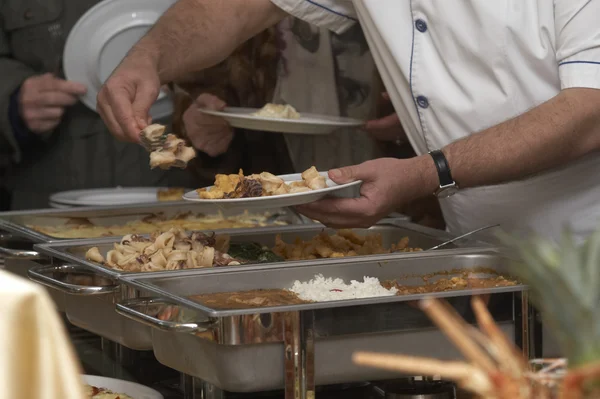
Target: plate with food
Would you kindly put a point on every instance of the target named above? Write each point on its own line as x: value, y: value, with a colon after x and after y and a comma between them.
x: 283, y: 118
x: 97, y: 387
x: 266, y: 190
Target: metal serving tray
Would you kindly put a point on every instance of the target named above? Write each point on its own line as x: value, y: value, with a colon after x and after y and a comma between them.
x: 251, y: 350
x: 392, y: 231
x: 92, y: 310
x: 17, y: 222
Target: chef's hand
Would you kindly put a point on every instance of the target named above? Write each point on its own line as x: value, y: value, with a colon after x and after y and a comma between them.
x: 388, y: 183
x: 125, y: 99
x: 42, y: 101
x: 387, y: 128
x: 209, y: 134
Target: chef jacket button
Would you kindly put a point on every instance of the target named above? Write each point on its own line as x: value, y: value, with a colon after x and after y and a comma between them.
x: 421, y: 25
x: 422, y: 101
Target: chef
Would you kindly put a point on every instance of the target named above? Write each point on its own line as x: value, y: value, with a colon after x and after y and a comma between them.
x: 500, y: 100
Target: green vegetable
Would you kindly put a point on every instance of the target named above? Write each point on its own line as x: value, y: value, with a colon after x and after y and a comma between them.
x: 253, y: 253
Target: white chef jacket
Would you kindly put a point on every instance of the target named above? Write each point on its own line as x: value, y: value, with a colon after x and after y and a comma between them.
x: 454, y: 68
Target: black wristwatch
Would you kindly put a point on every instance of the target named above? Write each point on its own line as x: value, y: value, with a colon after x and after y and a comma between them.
x: 448, y: 186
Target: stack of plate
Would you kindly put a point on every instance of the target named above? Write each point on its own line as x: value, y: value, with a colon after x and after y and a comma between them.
x: 104, y: 197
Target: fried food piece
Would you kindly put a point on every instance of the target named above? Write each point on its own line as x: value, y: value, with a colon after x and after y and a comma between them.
x: 173, y: 153
x: 279, y: 111
x: 313, y: 179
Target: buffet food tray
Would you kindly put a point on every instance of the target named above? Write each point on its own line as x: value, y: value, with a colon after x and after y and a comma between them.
x: 17, y: 222
x: 392, y: 231
x: 250, y: 350
x: 92, y: 308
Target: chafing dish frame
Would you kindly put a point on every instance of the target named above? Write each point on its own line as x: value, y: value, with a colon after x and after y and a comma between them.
x: 301, y: 327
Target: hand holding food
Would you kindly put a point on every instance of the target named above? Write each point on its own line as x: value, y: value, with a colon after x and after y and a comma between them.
x: 43, y: 100
x: 125, y: 99
x: 388, y: 183
x: 209, y: 134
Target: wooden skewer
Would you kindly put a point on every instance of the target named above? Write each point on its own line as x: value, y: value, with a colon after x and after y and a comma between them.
x: 470, y: 377
x: 458, y: 331
x: 507, y: 354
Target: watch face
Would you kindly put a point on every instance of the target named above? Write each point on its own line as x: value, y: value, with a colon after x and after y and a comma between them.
x: 445, y: 192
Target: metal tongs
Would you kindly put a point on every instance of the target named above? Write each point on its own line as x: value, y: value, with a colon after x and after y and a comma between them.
x: 462, y: 236
x: 152, y: 144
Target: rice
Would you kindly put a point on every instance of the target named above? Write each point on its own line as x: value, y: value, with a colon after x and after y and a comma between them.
x: 321, y: 289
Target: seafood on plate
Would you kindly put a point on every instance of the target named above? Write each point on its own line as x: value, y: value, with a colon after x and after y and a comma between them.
x: 261, y: 185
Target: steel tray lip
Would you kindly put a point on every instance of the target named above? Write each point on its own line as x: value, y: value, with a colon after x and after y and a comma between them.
x: 112, y: 210
x: 60, y: 249
x: 138, y: 282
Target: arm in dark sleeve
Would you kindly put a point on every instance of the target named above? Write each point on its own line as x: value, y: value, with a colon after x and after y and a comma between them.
x: 12, y: 74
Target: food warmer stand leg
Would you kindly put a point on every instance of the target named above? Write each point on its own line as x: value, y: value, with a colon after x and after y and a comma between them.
x: 527, y: 326
x: 194, y: 388
x: 299, y: 352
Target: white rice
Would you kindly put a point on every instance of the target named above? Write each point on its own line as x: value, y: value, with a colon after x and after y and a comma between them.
x: 321, y: 289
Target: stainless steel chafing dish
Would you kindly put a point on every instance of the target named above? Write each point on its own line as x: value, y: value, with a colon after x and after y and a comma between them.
x: 297, y: 346
x: 91, y: 307
x: 17, y: 222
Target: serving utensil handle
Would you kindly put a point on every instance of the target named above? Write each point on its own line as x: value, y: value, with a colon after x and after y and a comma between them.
x: 20, y: 253
x: 42, y: 275
x: 130, y: 308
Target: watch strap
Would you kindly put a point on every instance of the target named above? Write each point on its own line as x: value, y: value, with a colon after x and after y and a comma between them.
x: 443, y: 168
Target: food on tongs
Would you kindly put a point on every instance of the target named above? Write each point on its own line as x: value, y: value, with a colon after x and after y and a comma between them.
x: 92, y: 392
x: 261, y: 185
x: 278, y: 111
x: 168, y: 151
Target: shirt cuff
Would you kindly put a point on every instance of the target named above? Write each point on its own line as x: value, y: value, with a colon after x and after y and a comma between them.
x: 21, y: 133
x: 579, y: 74
x: 335, y: 15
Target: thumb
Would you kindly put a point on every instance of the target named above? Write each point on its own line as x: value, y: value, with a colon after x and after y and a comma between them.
x: 346, y: 175
x: 145, y: 96
x: 210, y: 102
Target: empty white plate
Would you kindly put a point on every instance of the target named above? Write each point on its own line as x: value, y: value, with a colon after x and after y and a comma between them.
x: 132, y: 389
x: 307, y: 123
x: 102, y: 37
x: 105, y: 196
x: 276, y: 201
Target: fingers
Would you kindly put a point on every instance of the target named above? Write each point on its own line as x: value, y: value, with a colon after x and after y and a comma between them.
x: 43, y: 126
x: 105, y: 111
x: 46, y: 113
x: 55, y: 98
x: 210, y: 102
x: 119, y: 111
x: 341, y: 212
x: 387, y: 122
x: 352, y: 173
x: 50, y: 83
x: 145, y: 96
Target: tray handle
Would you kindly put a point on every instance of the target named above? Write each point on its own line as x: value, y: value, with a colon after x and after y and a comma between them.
x: 39, y: 274
x: 130, y: 309
x: 20, y: 253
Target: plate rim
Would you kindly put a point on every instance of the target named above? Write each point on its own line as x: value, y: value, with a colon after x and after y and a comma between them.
x: 348, y: 121
x: 59, y: 201
x: 149, y: 391
x: 163, y: 107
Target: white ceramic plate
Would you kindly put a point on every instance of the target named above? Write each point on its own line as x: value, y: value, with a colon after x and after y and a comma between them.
x: 105, y: 196
x: 277, y: 201
x: 102, y: 37
x: 306, y: 124
x: 136, y: 391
